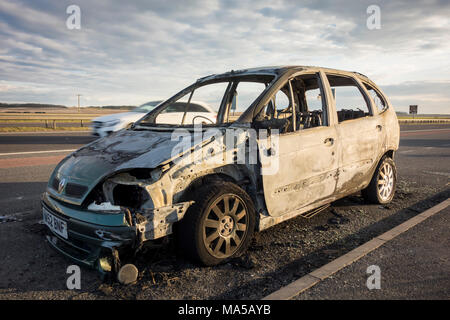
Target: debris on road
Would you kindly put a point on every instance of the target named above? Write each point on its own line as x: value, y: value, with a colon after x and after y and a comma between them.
x: 4, y: 219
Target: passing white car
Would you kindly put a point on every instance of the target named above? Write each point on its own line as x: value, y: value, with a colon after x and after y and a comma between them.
x: 196, y: 112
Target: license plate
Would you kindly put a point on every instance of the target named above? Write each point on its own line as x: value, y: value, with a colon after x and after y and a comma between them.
x: 55, y: 224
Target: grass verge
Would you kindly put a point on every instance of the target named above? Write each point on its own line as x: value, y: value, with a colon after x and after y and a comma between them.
x: 41, y: 129
x: 85, y: 121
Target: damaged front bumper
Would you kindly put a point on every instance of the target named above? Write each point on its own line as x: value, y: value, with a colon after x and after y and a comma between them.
x: 98, y: 239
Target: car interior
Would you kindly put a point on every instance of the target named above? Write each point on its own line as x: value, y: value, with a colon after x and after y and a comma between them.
x: 350, y: 101
x: 308, y: 102
x: 308, y: 106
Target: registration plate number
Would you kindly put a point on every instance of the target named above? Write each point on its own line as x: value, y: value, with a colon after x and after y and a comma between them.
x: 55, y: 224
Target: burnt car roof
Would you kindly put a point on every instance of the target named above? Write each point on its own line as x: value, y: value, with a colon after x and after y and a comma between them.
x: 272, y: 70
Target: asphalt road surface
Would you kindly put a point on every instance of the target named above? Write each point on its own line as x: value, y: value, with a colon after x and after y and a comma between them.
x: 30, y: 269
x: 415, y: 265
x: 26, y: 162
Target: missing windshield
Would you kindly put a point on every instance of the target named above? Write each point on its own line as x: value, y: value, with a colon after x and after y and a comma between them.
x: 212, y: 103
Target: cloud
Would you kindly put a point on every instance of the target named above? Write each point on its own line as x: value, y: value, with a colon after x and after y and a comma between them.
x: 430, y: 96
x: 132, y: 52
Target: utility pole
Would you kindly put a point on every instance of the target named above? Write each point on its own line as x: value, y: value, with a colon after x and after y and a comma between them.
x: 78, y: 95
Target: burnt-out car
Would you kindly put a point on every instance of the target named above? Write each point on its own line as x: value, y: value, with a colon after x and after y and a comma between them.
x: 287, y: 142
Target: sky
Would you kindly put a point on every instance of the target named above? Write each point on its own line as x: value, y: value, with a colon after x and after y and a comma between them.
x: 131, y: 52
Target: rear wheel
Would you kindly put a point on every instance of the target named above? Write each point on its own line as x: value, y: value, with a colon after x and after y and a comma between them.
x: 382, y: 186
x: 219, y: 225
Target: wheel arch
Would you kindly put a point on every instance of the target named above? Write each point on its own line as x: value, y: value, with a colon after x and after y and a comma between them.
x: 238, y: 177
x: 389, y: 153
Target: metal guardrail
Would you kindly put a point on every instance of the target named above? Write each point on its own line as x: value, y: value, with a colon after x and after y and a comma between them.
x: 53, y: 122
x: 424, y: 121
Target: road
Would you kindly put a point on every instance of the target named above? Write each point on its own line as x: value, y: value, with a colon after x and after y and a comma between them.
x: 276, y: 256
x: 416, y: 265
x: 26, y: 162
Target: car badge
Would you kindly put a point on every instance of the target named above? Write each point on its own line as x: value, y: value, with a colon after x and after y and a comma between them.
x: 61, y: 185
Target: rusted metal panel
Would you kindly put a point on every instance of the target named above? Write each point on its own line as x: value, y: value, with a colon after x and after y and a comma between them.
x: 158, y: 222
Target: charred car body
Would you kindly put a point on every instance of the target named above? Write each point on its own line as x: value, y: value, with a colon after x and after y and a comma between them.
x: 331, y: 133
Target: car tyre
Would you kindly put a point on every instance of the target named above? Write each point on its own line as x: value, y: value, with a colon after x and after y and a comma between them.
x: 218, y: 226
x: 381, y: 188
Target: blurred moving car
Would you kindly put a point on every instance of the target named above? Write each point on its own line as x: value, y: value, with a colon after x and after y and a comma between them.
x: 104, y: 125
x: 198, y: 112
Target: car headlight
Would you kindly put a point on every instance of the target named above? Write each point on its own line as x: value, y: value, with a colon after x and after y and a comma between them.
x: 111, y: 123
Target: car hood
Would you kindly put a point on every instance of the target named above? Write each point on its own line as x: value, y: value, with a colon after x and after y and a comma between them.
x: 125, y: 149
x: 131, y: 116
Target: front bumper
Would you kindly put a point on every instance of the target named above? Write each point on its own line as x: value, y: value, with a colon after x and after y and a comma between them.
x: 96, y: 239
x: 87, y: 243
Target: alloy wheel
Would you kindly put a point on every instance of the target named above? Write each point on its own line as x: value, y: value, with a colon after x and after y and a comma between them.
x: 225, y: 225
x: 385, y: 183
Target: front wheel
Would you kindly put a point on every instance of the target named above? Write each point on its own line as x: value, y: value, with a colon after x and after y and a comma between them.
x: 219, y: 225
x: 381, y: 189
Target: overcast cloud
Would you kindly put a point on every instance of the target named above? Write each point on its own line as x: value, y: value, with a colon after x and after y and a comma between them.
x: 130, y: 52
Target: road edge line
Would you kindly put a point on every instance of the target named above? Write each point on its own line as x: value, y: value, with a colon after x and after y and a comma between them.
x: 298, y: 286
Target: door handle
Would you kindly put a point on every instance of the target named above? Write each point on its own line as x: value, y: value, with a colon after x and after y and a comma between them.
x: 379, y: 127
x: 329, y: 141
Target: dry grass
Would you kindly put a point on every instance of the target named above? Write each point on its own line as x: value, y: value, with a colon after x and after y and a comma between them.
x: 41, y: 129
x: 35, y: 117
x: 57, y: 113
x: 2, y: 120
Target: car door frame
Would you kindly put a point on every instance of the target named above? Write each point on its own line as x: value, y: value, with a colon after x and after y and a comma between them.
x: 355, y: 171
x: 306, y: 183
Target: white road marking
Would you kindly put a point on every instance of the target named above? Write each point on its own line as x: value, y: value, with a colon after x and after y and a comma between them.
x: 32, y: 152
x: 445, y: 174
x: 21, y: 198
x: 18, y: 215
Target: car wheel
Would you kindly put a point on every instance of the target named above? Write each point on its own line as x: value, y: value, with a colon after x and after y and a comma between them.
x: 382, y: 186
x: 218, y: 226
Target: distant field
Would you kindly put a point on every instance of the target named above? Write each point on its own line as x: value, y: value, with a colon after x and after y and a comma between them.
x: 41, y: 129
x: 64, y: 120
x: 50, y: 119
x: 60, y: 112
